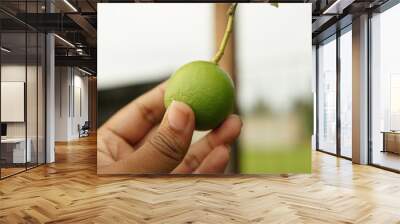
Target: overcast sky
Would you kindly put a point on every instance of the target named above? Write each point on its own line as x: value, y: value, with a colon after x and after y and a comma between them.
x: 142, y: 42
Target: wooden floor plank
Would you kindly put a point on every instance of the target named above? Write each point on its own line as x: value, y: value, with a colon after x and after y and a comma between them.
x: 69, y: 191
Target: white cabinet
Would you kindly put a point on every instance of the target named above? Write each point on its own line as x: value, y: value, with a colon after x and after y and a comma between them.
x: 17, y: 145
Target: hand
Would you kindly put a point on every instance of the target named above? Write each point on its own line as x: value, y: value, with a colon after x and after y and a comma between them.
x: 134, y: 141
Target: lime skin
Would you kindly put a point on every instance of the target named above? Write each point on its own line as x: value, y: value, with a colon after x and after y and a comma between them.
x: 206, y: 88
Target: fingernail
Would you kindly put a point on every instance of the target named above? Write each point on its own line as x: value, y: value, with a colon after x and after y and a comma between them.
x: 177, y: 116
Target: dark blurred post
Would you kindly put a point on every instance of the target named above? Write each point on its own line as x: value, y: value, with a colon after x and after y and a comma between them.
x: 227, y: 63
x: 92, y: 84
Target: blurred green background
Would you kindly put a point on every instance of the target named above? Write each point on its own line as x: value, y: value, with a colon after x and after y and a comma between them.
x: 275, y: 142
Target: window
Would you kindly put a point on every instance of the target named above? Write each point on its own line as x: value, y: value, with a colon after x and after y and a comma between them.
x: 14, y: 151
x: 327, y: 96
x: 385, y: 89
x: 395, y: 102
x: 346, y: 94
x: 22, y: 87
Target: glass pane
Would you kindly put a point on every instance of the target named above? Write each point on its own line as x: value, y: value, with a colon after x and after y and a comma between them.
x: 32, y: 86
x: 385, y: 89
x: 346, y: 94
x: 13, y: 86
x: 327, y: 96
x: 31, y: 98
x: 41, y: 98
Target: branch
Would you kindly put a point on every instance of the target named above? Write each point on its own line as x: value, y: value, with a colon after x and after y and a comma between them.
x: 227, y: 34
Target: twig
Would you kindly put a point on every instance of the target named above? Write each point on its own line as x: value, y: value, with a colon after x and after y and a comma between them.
x: 227, y: 34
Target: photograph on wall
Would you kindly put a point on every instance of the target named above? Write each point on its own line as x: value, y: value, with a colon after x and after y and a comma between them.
x: 204, y: 88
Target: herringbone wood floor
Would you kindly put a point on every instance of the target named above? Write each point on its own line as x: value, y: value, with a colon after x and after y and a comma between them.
x: 69, y: 191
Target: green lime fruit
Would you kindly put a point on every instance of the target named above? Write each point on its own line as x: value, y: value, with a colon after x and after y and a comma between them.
x: 206, y: 88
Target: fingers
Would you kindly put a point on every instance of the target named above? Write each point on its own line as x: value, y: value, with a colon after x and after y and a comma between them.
x: 215, y: 162
x: 225, y: 134
x: 164, y: 149
x: 134, y: 120
x: 110, y: 147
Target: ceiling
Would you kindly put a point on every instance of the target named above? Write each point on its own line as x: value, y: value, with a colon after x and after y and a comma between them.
x: 76, y: 22
x: 329, y: 16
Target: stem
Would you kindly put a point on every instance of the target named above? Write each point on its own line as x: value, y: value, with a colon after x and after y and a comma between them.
x: 227, y: 34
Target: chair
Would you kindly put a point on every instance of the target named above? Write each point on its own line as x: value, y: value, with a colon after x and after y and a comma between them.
x: 84, y: 130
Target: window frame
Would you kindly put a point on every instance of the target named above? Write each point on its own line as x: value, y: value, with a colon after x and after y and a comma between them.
x: 334, y: 37
x: 27, y: 29
x: 381, y: 9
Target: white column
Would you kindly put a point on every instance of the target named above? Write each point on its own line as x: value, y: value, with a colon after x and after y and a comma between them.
x: 50, y: 92
x: 360, y: 90
x: 50, y: 98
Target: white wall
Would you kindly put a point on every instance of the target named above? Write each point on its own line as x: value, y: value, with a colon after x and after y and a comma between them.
x: 13, y: 101
x: 12, y: 73
x: 70, y: 83
x: 82, y: 82
x: 33, y: 126
x: 62, y: 81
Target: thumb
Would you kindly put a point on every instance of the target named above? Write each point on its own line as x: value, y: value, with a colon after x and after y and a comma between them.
x: 165, y: 148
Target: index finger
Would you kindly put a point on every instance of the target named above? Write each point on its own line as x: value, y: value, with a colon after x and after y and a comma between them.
x: 134, y: 120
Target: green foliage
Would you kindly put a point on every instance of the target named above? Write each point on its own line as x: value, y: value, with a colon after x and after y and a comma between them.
x: 278, y: 159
